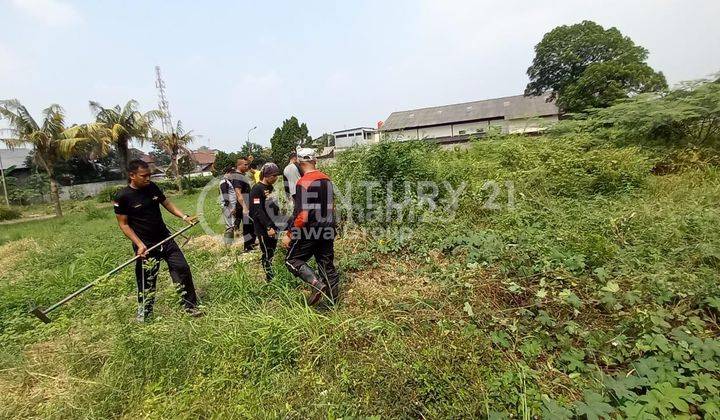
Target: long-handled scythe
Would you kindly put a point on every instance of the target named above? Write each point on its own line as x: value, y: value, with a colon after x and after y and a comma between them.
x: 42, y: 313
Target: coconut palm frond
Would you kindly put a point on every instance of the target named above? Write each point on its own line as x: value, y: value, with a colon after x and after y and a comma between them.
x: 69, y: 147
x: 95, y: 107
x: 129, y: 108
x: 18, y: 117
x: 54, y: 119
x: 13, y: 142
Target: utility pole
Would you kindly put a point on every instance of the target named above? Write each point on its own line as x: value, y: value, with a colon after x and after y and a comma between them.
x: 248, y: 137
x: 163, y: 105
x: 2, y: 173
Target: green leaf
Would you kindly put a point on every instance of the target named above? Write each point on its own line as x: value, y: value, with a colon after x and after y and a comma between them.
x: 664, y: 397
x: 622, y: 386
x: 593, y: 406
x: 711, y: 409
x: 611, y: 287
x: 706, y: 382
x: 551, y: 410
x: 571, y: 298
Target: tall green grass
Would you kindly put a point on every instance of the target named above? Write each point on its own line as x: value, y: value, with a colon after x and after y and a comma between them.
x: 596, y: 292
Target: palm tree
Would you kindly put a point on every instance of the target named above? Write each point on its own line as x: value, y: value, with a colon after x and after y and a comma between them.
x: 123, y: 125
x: 174, y: 144
x: 51, y: 141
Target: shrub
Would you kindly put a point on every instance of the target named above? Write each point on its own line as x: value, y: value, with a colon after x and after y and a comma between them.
x: 688, y: 115
x: 188, y: 183
x: 366, y: 177
x: 564, y: 166
x: 9, y: 213
x: 107, y: 194
x: 92, y: 212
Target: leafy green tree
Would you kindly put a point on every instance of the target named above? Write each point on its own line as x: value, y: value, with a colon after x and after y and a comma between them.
x: 260, y: 154
x: 161, y: 158
x: 287, y: 138
x: 688, y: 114
x: 173, y: 144
x: 325, y: 140
x: 223, y: 160
x: 124, y: 125
x: 587, y: 66
x: 51, y: 141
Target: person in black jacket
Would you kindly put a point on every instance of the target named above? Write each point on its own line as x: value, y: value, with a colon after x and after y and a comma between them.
x: 312, y: 233
x: 265, y: 213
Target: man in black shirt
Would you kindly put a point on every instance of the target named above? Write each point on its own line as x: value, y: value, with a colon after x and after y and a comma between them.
x: 137, y: 208
x: 265, y: 212
x: 241, y: 182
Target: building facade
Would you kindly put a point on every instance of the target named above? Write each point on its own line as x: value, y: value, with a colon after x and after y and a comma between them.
x: 457, y: 122
x: 345, y: 139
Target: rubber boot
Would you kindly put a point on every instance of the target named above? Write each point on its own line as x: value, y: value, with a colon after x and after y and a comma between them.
x: 308, y: 275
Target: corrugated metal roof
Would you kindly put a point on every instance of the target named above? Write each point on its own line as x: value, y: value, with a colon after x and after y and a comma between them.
x: 14, y: 157
x: 510, y: 107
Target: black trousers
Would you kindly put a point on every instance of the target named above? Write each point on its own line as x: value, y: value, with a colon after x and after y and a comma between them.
x: 300, y: 252
x: 248, y: 229
x: 268, y: 245
x: 180, y: 273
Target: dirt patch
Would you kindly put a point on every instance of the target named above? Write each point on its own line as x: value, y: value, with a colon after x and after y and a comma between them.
x: 390, y: 284
x: 13, y: 252
x: 212, y: 243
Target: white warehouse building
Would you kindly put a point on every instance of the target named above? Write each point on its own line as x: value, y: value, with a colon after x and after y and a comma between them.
x: 345, y: 139
x: 456, y: 123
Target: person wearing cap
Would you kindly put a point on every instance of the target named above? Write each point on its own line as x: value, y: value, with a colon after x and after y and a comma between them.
x: 291, y: 175
x: 312, y: 231
x: 265, y: 211
x: 228, y: 201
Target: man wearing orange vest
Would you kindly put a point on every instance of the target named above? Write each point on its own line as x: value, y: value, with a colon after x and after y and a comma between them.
x: 312, y: 230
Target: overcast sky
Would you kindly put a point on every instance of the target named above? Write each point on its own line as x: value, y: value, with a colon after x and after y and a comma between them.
x: 232, y: 65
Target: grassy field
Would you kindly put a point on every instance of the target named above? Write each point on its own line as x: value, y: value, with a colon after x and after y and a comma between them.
x: 595, y: 293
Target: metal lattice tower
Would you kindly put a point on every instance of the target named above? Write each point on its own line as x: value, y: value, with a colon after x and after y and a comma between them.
x: 163, y: 105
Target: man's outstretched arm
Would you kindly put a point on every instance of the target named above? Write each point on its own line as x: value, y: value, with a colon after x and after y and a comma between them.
x: 173, y: 209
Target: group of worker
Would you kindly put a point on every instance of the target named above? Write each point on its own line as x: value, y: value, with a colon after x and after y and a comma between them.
x: 249, y: 205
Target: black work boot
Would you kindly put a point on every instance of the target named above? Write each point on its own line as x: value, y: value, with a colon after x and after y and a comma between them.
x: 318, y: 290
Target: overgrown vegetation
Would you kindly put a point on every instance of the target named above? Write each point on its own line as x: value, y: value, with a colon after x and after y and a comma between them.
x: 573, y: 279
x: 9, y: 213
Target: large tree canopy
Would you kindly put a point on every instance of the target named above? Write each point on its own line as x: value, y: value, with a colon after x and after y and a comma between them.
x: 585, y: 66
x: 287, y: 137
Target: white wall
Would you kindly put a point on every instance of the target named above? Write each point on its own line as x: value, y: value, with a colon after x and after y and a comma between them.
x: 435, y: 132
x: 359, y: 137
x: 408, y: 134
x: 85, y: 190
x: 530, y: 125
x: 522, y: 125
x: 469, y: 128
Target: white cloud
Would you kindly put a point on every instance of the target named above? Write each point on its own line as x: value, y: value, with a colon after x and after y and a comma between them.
x: 50, y: 12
